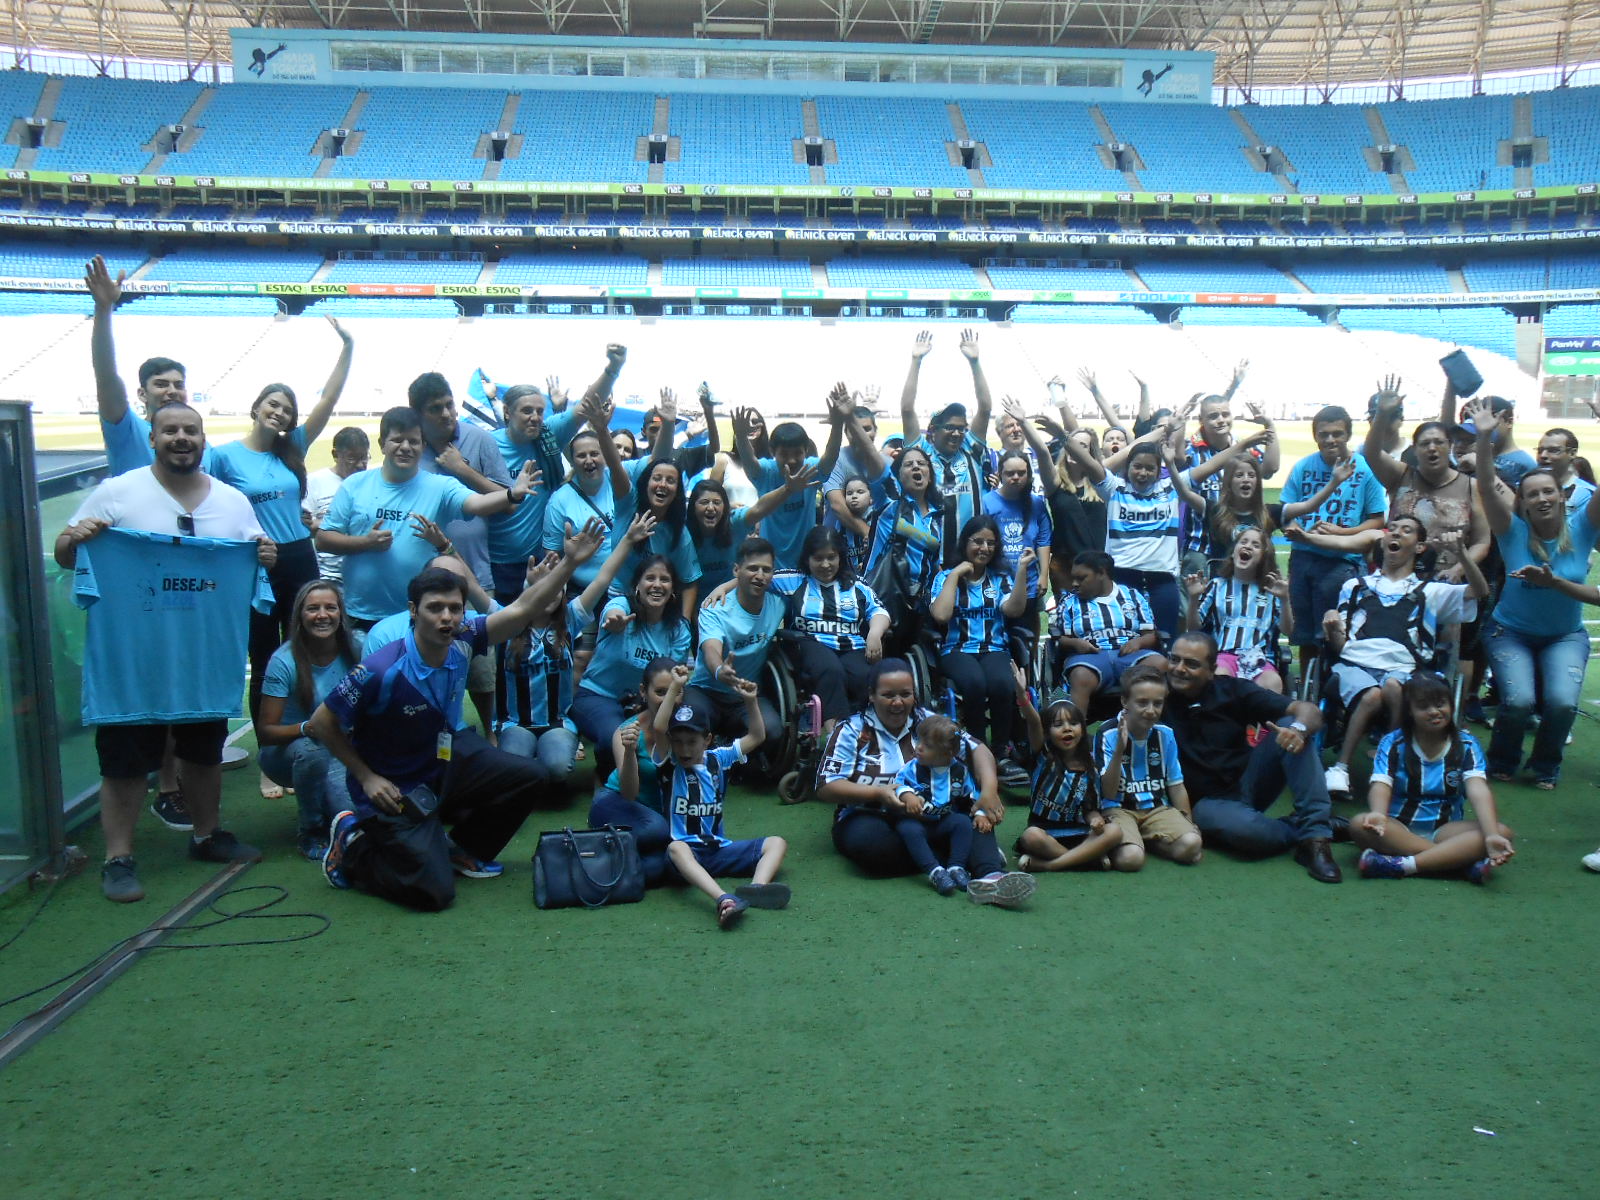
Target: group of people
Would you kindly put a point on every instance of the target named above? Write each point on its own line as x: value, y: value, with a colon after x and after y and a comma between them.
x: 589, y: 593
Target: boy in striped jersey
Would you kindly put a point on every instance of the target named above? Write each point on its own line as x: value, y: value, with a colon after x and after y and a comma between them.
x: 1141, y: 779
x: 1103, y: 627
x: 700, y: 849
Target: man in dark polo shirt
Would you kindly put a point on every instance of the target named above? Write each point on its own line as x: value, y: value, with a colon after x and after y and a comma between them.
x: 1231, y: 784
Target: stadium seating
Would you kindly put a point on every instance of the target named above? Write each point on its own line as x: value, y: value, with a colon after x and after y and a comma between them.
x: 1202, y: 151
x: 1570, y: 119
x: 1574, y: 271
x: 1484, y: 327
x: 1454, y: 142
x: 1081, y: 314
x: 581, y: 136
x: 1061, y: 279
x: 1028, y: 153
x: 743, y: 272
x: 422, y: 133
x: 1255, y: 316
x: 882, y: 141
x: 257, y: 129
x: 236, y: 265
x: 1519, y: 274
x: 1208, y: 275
x: 1573, y: 320
x: 578, y: 270
x: 49, y: 260
x: 22, y: 304
x: 398, y: 309
x: 1425, y: 322
x: 202, y: 306
x: 1375, y: 275
x: 403, y: 270
x: 736, y: 139
x: 1323, y: 144
x: 19, y: 97
x: 108, y: 122
x: 871, y: 271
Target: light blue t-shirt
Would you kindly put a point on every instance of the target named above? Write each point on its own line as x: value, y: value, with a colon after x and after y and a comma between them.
x: 168, y: 619
x: 1536, y: 611
x: 268, y: 483
x: 569, y: 506
x: 1023, y: 523
x: 1353, y: 501
x: 375, y: 580
x: 515, y: 536
x: 392, y: 628
x: 127, y: 443
x: 744, y: 635
x: 715, y: 559
x: 282, y: 676
x: 786, y: 528
x: 678, y: 551
x: 620, y: 658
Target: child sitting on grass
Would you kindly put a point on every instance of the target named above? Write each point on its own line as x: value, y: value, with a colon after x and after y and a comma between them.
x: 699, y: 850
x: 1066, y: 829
x: 937, y: 794
x: 1421, y: 774
x: 1141, y: 780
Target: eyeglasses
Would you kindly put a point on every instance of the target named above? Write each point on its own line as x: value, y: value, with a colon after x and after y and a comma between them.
x: 186, y: 524
x: 955, y: 428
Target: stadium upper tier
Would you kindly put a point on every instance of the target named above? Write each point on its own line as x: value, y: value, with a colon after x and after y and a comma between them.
x: 124, y: 126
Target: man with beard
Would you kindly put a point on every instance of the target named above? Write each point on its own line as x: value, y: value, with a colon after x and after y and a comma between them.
x: 156, y: 597
x: 1231, y: 783
x: 735, y: 636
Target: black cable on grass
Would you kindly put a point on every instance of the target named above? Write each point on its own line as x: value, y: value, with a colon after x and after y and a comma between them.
x: 49, y: 895
x: 256, y: 912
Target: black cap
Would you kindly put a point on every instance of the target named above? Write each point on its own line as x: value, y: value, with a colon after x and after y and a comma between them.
x: 691, y: 716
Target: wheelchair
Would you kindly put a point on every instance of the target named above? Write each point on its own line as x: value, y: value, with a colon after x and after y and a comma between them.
x: 790, y: 760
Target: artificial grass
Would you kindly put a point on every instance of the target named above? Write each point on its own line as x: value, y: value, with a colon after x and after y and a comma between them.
x: 1231, y: 1029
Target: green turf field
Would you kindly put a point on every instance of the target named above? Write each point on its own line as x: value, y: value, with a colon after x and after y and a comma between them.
x: 1227, y: 1030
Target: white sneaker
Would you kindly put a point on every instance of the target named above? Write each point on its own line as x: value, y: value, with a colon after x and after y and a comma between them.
x: 1338, y: 779
x: 1592, y: 861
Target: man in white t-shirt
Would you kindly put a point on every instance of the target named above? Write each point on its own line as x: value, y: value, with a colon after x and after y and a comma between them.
x: 350, y: 450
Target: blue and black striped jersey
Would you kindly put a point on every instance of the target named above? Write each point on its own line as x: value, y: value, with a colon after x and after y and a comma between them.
x: 1240, y: 615
x: 1427, y: 792
x: 977, y: 625
x: 1108, y: 621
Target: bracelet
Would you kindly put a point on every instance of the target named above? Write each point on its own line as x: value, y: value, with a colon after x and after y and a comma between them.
x: 303, y: 725
x: 448, y: 548
x: 514, y: 498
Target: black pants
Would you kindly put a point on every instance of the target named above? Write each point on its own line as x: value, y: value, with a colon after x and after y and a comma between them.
x: 728, y: 717
x: 487, y: 796
x: 296, y: 566
x: 838, y: 677
x: 869, y: 840
x: 952, y: 833
x: 984, y: 689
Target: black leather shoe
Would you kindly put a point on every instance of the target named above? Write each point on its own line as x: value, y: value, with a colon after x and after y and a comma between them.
x: 1341, y: 828
x: 1316, y: 856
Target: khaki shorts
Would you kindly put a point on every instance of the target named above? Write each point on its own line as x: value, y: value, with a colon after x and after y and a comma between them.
x: 1161, y: 824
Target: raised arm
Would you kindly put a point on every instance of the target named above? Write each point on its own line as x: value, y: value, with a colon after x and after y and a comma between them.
x: 675, y: 686
x: 1389, y: 469
x: 980, y: 385
x: 755, y: 726
x: 638, y: 533
x: 1144, y: 399
x: 1342, y: 471
x: 504, y: 499
x: 709, y: 411
x: 317, y: 419
x: 1041, y: 452
x: 597, y: 411
x: 111, y: 394
x: 1496, y: 508
x: 768, y: 503
x: 743, y: 446
x: 1031, y: 721
x: 1262, y: 437
x: 1091, y: 466
x: 909, y: 428
x: 666, y: 428
x: 1238, y: 378
x: 839, y: 405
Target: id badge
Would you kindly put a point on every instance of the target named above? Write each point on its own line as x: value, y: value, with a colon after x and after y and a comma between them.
x: 444, y: 746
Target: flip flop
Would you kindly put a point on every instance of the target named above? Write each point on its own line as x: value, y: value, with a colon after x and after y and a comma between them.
x: 729, y: 910
x: 765, y: 895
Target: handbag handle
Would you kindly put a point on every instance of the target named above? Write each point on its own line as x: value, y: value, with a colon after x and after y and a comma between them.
x: 577, y: 860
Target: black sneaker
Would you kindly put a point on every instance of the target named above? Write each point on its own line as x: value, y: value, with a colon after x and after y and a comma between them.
x: 172, y: 812
x: 312, y: 844
x: 119, y: 880
x: 222, y: 847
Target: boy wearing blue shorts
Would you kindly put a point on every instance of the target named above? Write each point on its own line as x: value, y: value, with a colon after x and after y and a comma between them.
x: 1141, y: 779
x: 700, y: 850
x: 1103, y: 627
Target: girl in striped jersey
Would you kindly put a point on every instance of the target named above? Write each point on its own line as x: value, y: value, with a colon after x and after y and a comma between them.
x: 1066, y: 829
x: 534, y: 683
x: 1421, y: 774
x: 917, y: 525
x: 1142, y: 511
x: 837, y: 621
x: 1243, y: 609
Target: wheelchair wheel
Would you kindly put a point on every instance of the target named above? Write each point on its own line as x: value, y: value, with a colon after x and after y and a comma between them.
x: 777, y: 757
x: 924, y: 675
x: 792, y: 788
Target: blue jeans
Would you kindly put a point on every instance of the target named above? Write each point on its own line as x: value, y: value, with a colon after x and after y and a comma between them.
x: 1558, y: 663
x: 318, y: 779
x: 1238, y: 822
x: 1314, y: 584
x: 651, y: 833
x: 556, y: 748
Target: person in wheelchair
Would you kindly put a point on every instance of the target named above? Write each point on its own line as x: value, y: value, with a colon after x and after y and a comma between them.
x: 973, y: 599
x: 1103, y: 627
x: 834, y: 625
x: 1386, y: 627
x: 735, y: 636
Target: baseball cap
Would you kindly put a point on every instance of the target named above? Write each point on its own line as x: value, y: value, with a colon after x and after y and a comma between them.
x: 691, y: 716
x: 1497, y: 405
x: 949, y: 410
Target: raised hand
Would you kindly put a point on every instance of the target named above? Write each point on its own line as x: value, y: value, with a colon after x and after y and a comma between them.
x: 1344, y: 470
x: 923, y: 344
x: 554, y: 392
x: 640, y: 529
x: 840, y: 401
x: 628, y: 735
x: 668, y: 406
x: 1087, y: 378
x: 799, y: 477
x: 1277, y: 585
x: 616, y: 355
x: 969, y: 344
x: 616, y: 620
x: 105, y: 290
x: 745, y: 687
x: 1195, y: 584
x: 527, y: 480
x: 580, y: 545
x: 425, y: 529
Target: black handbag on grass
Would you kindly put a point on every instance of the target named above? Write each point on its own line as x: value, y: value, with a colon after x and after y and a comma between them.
x: 591, y: 867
